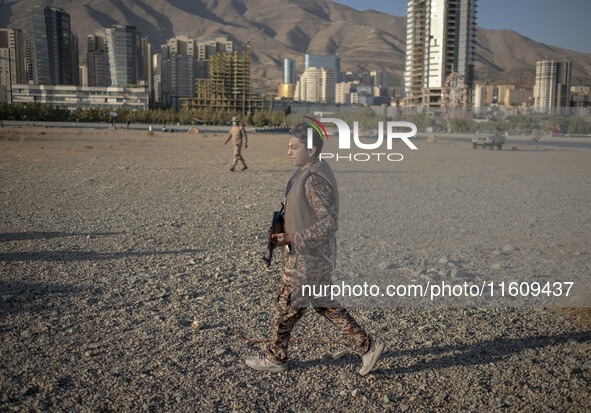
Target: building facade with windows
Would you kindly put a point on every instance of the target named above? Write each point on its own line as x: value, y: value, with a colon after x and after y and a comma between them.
x: 53, y: 47
x: 176, y: 70
x: 120, y: 56
x: 440, y: 38
x: 327, y: 61
x: 12, y: 57
x: 316, y: 84
x: 552, y: 87
x: 97, y: 60
x: 208, y: 48
x: 227, y: 86
x: 84, y: 97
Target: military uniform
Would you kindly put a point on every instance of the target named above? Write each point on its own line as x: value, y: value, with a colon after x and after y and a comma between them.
x: 311, y: 216
x: 238, y: 136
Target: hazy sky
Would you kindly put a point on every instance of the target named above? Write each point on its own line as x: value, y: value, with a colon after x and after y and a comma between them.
x: 563, y: 23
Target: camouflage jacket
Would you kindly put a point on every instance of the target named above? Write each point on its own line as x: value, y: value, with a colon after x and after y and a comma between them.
x: 238, y: 134
x: 313, y: 250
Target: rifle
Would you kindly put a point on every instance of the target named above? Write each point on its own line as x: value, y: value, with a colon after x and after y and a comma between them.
x: 277, y: 227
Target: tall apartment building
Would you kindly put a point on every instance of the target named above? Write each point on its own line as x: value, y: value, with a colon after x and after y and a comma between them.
x: 53, y: 47
x: 175, y: 70
x: 122, y: 44
x: 97, y: 60
x: 343, y: 92
x: 289, y: 71
x: 28, y: 60
x: 12, y: 57
x: 75, y: 58
x: 182, y: 44
x: 380, y: 79
x: 157, y: 77
x: 210, y: 47
x: 439, y: 41
x: 287, y: 88
x: 207, y: 48
x: 119, y: 56
x: 552, y: 87
x: 327, y: 61
x: 316, y: 84
x: 146, y: 70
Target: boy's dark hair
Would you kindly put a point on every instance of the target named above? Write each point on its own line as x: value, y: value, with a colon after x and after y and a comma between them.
x: 300, y: 131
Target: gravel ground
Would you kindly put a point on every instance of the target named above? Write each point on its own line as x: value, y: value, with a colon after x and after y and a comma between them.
x: 131, y: 272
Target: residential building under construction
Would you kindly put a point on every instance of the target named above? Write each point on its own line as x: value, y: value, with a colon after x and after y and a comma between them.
x: 439, y: 41
x: 228, y: 86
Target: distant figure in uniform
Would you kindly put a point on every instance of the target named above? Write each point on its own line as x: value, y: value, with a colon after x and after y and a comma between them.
x: 311, y: 222
x: 238, y: 135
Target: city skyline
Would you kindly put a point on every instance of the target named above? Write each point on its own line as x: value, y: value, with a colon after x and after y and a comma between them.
x: 500, y: 55
x: 439, y: 38
x: 563, y: 24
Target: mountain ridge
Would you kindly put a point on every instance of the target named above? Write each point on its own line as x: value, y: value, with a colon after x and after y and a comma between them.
x: 365, y: 40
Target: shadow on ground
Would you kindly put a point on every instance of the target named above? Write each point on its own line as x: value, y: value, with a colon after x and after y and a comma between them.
x: 464, y: 355
x: 83, y: 255
x: 21, y: 236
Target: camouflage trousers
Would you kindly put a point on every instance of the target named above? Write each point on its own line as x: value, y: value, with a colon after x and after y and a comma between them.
x: 285, y: 318
x: 238, y: 156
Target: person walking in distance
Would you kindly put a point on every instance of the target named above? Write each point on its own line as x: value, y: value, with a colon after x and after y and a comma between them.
x: 238, y: 136
x: 311, y: 222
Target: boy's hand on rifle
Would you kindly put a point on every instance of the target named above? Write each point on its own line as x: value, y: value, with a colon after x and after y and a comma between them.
x: 281, y: 239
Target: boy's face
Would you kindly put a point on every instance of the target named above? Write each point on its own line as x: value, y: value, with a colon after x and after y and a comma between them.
x: 299, y: 154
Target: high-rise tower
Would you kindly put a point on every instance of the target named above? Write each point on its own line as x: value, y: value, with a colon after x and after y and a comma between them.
x: 97, y: 60
x: 12, y: 56
x: 119, y: 56
x: 289, y: 73
x: 439, y: 42
x: 316, y: 85
x: 123, y: 51
x: 286, y: 89
x: 54, y: 48
x: 327, y: 61
x: 552, y: 87
x: 177, y: 70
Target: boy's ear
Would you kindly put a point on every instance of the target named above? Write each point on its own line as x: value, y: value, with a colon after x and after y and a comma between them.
x: 312, y: 151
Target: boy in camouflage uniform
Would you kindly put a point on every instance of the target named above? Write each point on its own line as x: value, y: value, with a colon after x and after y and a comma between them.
x: 238, y: 135
x: 311, y: 221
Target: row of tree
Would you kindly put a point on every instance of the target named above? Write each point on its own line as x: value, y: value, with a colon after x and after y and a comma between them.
x: 572, y: 125
x: 366, y: 117
x: 42, y: 112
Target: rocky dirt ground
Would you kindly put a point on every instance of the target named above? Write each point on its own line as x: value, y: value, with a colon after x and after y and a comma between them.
x: 131, y: 275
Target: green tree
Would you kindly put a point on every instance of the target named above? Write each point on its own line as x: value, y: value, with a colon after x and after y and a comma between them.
x: 459, y: 125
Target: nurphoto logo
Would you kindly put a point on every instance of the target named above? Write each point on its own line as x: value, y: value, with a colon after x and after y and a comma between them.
x: 392, y: 132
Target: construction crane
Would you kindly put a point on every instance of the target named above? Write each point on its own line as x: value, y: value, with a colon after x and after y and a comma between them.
x: 247, y: 44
